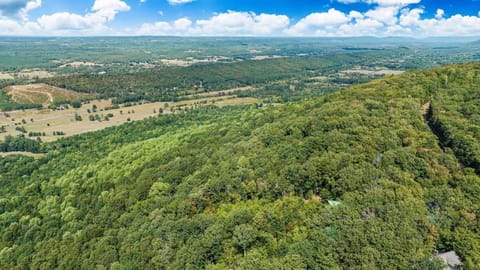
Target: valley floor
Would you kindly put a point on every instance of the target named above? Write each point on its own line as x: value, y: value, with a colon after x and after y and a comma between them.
x: 66, y: 120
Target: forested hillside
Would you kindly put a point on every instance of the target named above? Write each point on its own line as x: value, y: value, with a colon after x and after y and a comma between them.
x: 455, y: 115
x: 352, y: 180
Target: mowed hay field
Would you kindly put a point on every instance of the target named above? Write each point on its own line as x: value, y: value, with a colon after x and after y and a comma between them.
x: 6, y: 76
x: 42, y: 94
x: 26, y: 73
x: 28, y: 154
x: 49, y: 121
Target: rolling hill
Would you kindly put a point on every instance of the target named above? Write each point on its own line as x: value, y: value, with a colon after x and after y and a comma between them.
x: 377, y: 176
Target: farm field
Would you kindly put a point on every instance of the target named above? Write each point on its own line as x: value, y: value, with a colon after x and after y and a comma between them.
x: 28, y: 154
x: 55, y: 124
x: 27, y: 74
x: 377, y: 71
x: 43, y: 94
x: 6, y: 76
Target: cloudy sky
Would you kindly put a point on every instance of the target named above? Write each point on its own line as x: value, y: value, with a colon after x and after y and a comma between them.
x: 413, y: 18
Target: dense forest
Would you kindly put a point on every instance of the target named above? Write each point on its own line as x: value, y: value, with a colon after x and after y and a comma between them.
x: 357, y: 179
x: 19, y: 143
x: 455, y: 116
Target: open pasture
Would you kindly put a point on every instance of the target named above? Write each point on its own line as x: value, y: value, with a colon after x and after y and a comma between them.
x: 42, y: 94
x: 97, y: 115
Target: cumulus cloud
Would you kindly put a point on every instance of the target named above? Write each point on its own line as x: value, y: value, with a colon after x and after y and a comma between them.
x: 440, y: 13
x: 242, y: 23
x: 410, y: 18
x: 381, y: 20
x: 228, y: 23
x: 364, y: 27
x: 9, y: 26
x: 182, y: 24
x: 109, y: 8
x: 334, y: 22
x: 355, y: 15
x: 456, y: 25
x: 66, y: 23
x: 31, y: 5
x: 320, y: 21
x: 383, y: 2
x: 386, y: 15
x: 179, y: 2
x: 158, y: 28
x: 386, y: 19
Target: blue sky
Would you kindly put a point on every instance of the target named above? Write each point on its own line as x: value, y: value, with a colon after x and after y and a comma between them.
x: 416, y: 18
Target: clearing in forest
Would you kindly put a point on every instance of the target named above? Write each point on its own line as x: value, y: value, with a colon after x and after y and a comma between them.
x: 42, y: 94
x: 28, y: 154
x: 6, y: 76
x: 372, y: 72
x: 51, y: 125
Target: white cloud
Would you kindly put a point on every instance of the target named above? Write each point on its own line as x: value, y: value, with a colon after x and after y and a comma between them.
x: 320, y: 21
x: 109, y: 8
x: 241, y: 23
x: 60, y: 23
x: 440, y: 13
x: 65, y: 23
x: 179, y: 2
x: 31, y: 5
x: 158, y: 28
x: 378, y: 21
x: 364, y: 27
x: 182, y: 24
x: 9, y: 26
x: 387, y: 15
x: 410, y: 17
x: 331, y: 17
x: 383, y: 2
x: 385, y: 20
x: 456, y: 25
x: 355, y: 15
x: 63, y: 20
x: 224, y: 24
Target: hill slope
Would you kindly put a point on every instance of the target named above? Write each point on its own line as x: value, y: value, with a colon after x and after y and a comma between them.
x: 353, y: 180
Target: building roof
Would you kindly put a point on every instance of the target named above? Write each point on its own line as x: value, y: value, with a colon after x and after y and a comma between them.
x: 451, y: 259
